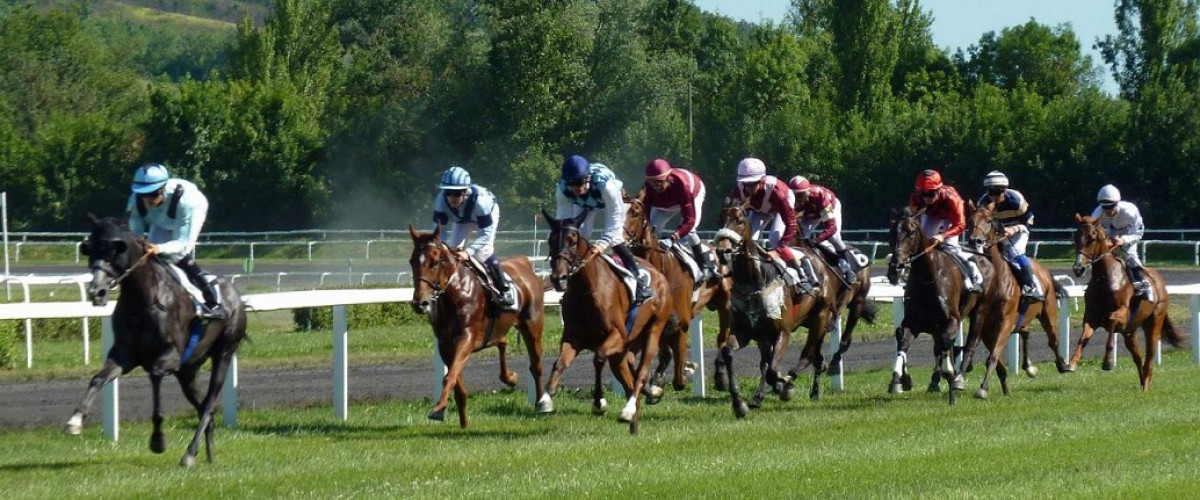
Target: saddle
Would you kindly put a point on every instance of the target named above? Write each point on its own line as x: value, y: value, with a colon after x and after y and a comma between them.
x: 627, y: 277
x: 489, y: 283
x: 196, y: 295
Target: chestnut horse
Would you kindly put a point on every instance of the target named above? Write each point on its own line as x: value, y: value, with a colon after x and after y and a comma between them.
x: 985, y: 231
x: 451, y: 293
x: 598, y: 315
x: 935, y: 300
x: 765, y: 310
x: 1109, y: 302
x: 155, y: 327
x: 714, y: 296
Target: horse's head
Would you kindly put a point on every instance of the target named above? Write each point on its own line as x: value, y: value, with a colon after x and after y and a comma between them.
x: 568, y: 247
x: 112, y: 251
x: 735, y: 229
x: 638, y: 231
x: 1091, y: 243
x: 904, y: 236
x: 983, y: 228
x: 433, y: 264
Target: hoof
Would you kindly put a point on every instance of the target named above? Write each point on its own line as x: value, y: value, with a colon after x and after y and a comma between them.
x: 1032, y: 371
x: 934, y: 388
x: 438, y: 415
x: 788, y: 392
x: 544, y: 404
x: 627, y: 415
x: 959, y: 383
x: 187, y: 462
x: 1062, y: 368
x: 1070, y: 368
x: 906, y: 382
x: 981, y: 394
x: 814, y: 396
x: 895, y: 389
x: 158, y: 443
x: 834, y: 369
x: 599, y: 407
x: 720, y: 383
x: 740, y: 410
x: 1108, y: 365
x: 689, y: 369
x: 655, y: 391
x: 73, y: 430
x: 771, y: 377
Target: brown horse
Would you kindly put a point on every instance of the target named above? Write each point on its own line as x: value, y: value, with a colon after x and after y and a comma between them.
x: 714, y: 296
x: 935, y: 300
x: 765, y: 310
x: 1109, y: 301
x: 451, y: 292
x: 599, y: 316
x: 985, y: 231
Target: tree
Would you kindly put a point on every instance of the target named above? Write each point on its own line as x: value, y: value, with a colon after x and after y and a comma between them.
x: 1045, y: 60
x: 866, y: 47
x: 1153, y: 40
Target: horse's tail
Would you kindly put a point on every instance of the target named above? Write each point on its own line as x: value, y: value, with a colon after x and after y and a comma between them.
x: 673, y: 326
x: 868, y: 309
x: 1060, y: 291
x: 1173, y: 336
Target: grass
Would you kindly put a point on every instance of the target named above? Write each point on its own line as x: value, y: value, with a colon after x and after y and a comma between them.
x: 1085, y: 435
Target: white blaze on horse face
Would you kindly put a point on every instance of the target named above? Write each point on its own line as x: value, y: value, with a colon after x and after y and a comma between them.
x: 421, y: 259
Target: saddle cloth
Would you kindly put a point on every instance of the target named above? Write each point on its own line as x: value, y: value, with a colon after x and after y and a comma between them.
x: 193, y: 292
x: 486, y: 277
x: 627, y: 276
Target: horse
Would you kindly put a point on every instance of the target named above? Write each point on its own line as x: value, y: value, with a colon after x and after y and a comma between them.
x: 1109, y: 302
x: 451, y: 292
x: 759, y: 294
x: 598, y: 315
x: 155, y: 327
x: 935, y: 300
x: 714, y: 296
x: 984, y: 231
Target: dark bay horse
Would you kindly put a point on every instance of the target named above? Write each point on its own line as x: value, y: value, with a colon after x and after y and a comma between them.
x: 984, y: 231
x: 1109, y: 301
x: 935, y: 300
x: 450, y: 292
x: 598, y: 316
x: 155, y: 327
x: 854, y: 299
x: 642, y: 241
x: 765, y: 310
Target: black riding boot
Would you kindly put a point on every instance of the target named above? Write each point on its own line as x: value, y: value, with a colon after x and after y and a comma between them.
x: 644, y: 292
x: 849, y: 267
x: 212, y: 307
x: 708, y: 272
x: 1029, y: 284
x: 504, y: 295
x: 803, y: 285
x: 1141, y: 286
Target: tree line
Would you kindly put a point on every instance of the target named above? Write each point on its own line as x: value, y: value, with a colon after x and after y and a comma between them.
x: 343, y: 113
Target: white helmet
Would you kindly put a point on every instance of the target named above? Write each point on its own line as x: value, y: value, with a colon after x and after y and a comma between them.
x: 750, y: 170
x: 1108, y: 195
x: 995, y: 178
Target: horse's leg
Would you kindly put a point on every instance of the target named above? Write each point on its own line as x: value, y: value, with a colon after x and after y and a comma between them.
x: 507, y: 376
x: 1152, y: 330
x: 599, y: 404
x: 901, y: 381
x: 531, y: 331
x: 740, y: 409
x: 680, y: 352
x: 766, y: 352
x: 995, y: 344
x: 818, y: 359
x: 1089, y: 329
x: 946, y: 363
x: 216, y: 379
x: 460, y: 400
x: 114, y: 366
x: 721, y: 374
x: 158, y: 442
x: 454, y: 356
x: 566, y: 355
x: 1027, y: 366
x: 187, y: 382
x: 852, y: 316
x: 1048, y: 318
x: 1110, y: 348
x: 633, y: 407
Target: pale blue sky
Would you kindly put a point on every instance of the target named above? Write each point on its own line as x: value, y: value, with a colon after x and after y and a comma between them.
x: 960, y: 23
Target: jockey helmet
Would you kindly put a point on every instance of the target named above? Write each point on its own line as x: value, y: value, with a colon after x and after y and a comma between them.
x: 1108, y: 195
x: 995, y: 178
x: 657, y: 170
x: 751, y: 169
x: 455, y: 178
x: 575, y: 168
x: 928, y: 180
x: 799, y: 183
x: 150, y: 178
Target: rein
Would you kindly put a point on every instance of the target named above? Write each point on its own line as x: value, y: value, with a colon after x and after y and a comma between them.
x: 141, y: 260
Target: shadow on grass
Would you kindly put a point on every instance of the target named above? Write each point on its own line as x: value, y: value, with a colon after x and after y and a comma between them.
x: 44, y: 466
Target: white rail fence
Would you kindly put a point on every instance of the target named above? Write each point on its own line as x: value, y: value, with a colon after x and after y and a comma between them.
x: 340, y: 299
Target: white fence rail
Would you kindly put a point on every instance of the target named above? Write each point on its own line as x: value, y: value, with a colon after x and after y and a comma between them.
x: 339, y: 299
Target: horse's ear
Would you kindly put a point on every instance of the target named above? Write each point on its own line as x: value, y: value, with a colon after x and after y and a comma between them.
x: 1078, y: 218
x: 971, y: 206
x: 641, y: 194
x: 92, y: 218
x: 437, y: 231
x: 578, y: 220
x: 413, y: 231
x: 549, y: 218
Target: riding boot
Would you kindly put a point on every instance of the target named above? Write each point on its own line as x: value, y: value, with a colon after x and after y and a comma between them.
x: 644, y: 292
x: 505, y: 298
x: 1030, y: 288
x: 707, y: 271
x: 974, y: 282
x: 849, y: 266
x: 802, y: 283
x: 1141, y: 286
x: 213, y: 308
x: 810, y: 272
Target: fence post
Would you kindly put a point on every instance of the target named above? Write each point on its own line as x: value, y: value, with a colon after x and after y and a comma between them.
x: 439, y: 372
x: 110, y: 400
x: 1012, y: 350
x: 229, y: 394
x: 697, y: 348
x: 340, y: 361
x: 1064, y: 327
x: 835, y: 341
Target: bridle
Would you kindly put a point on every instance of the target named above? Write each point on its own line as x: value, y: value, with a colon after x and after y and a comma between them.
x: 634, y: 238
x: 904, y: 264
x: 441, y: 282
x: 574, y: 260
x: 106, y: 266
x: 1090, y: 256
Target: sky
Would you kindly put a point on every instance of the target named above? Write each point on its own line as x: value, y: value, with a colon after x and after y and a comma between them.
x: 960, y: 23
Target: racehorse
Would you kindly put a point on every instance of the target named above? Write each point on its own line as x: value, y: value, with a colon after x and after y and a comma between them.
x: 985, y: 231
x: 714, y: 296
x: 155, y: 327
x: 598, y: 315
x: 1109, y: 302
x: 450, y: 291
x: 935, y: 300
x: 765, y: 310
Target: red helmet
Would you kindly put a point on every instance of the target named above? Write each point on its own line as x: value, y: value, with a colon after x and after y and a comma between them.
x: 799, y: 183
x: 929, y: 180
x: 657, y: 170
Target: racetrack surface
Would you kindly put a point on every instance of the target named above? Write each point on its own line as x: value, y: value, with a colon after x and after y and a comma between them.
x: 34, y: 404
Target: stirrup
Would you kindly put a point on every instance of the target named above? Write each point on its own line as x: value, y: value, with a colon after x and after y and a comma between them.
x: 505, y: 299
x: 1032, y: 293
x: 215, y: 311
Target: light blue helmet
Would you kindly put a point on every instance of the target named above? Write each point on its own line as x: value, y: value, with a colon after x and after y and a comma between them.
x: 150, y: 178
x: 455, y: 178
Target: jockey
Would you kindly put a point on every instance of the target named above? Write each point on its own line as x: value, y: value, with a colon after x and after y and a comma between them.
x: 592, y: 186
x: 470, y: 207
x: 1122, y: 221
x: 943, y: 220
x: 1013, y: 212
x: 170, y: 212
x: 771, y: 203
x: 675, y: 191
x: 818, y: 208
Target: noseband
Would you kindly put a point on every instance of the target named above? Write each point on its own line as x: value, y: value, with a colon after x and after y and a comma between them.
x: 575, y: 262
x: 107, y: 268
x: 438, y: 285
